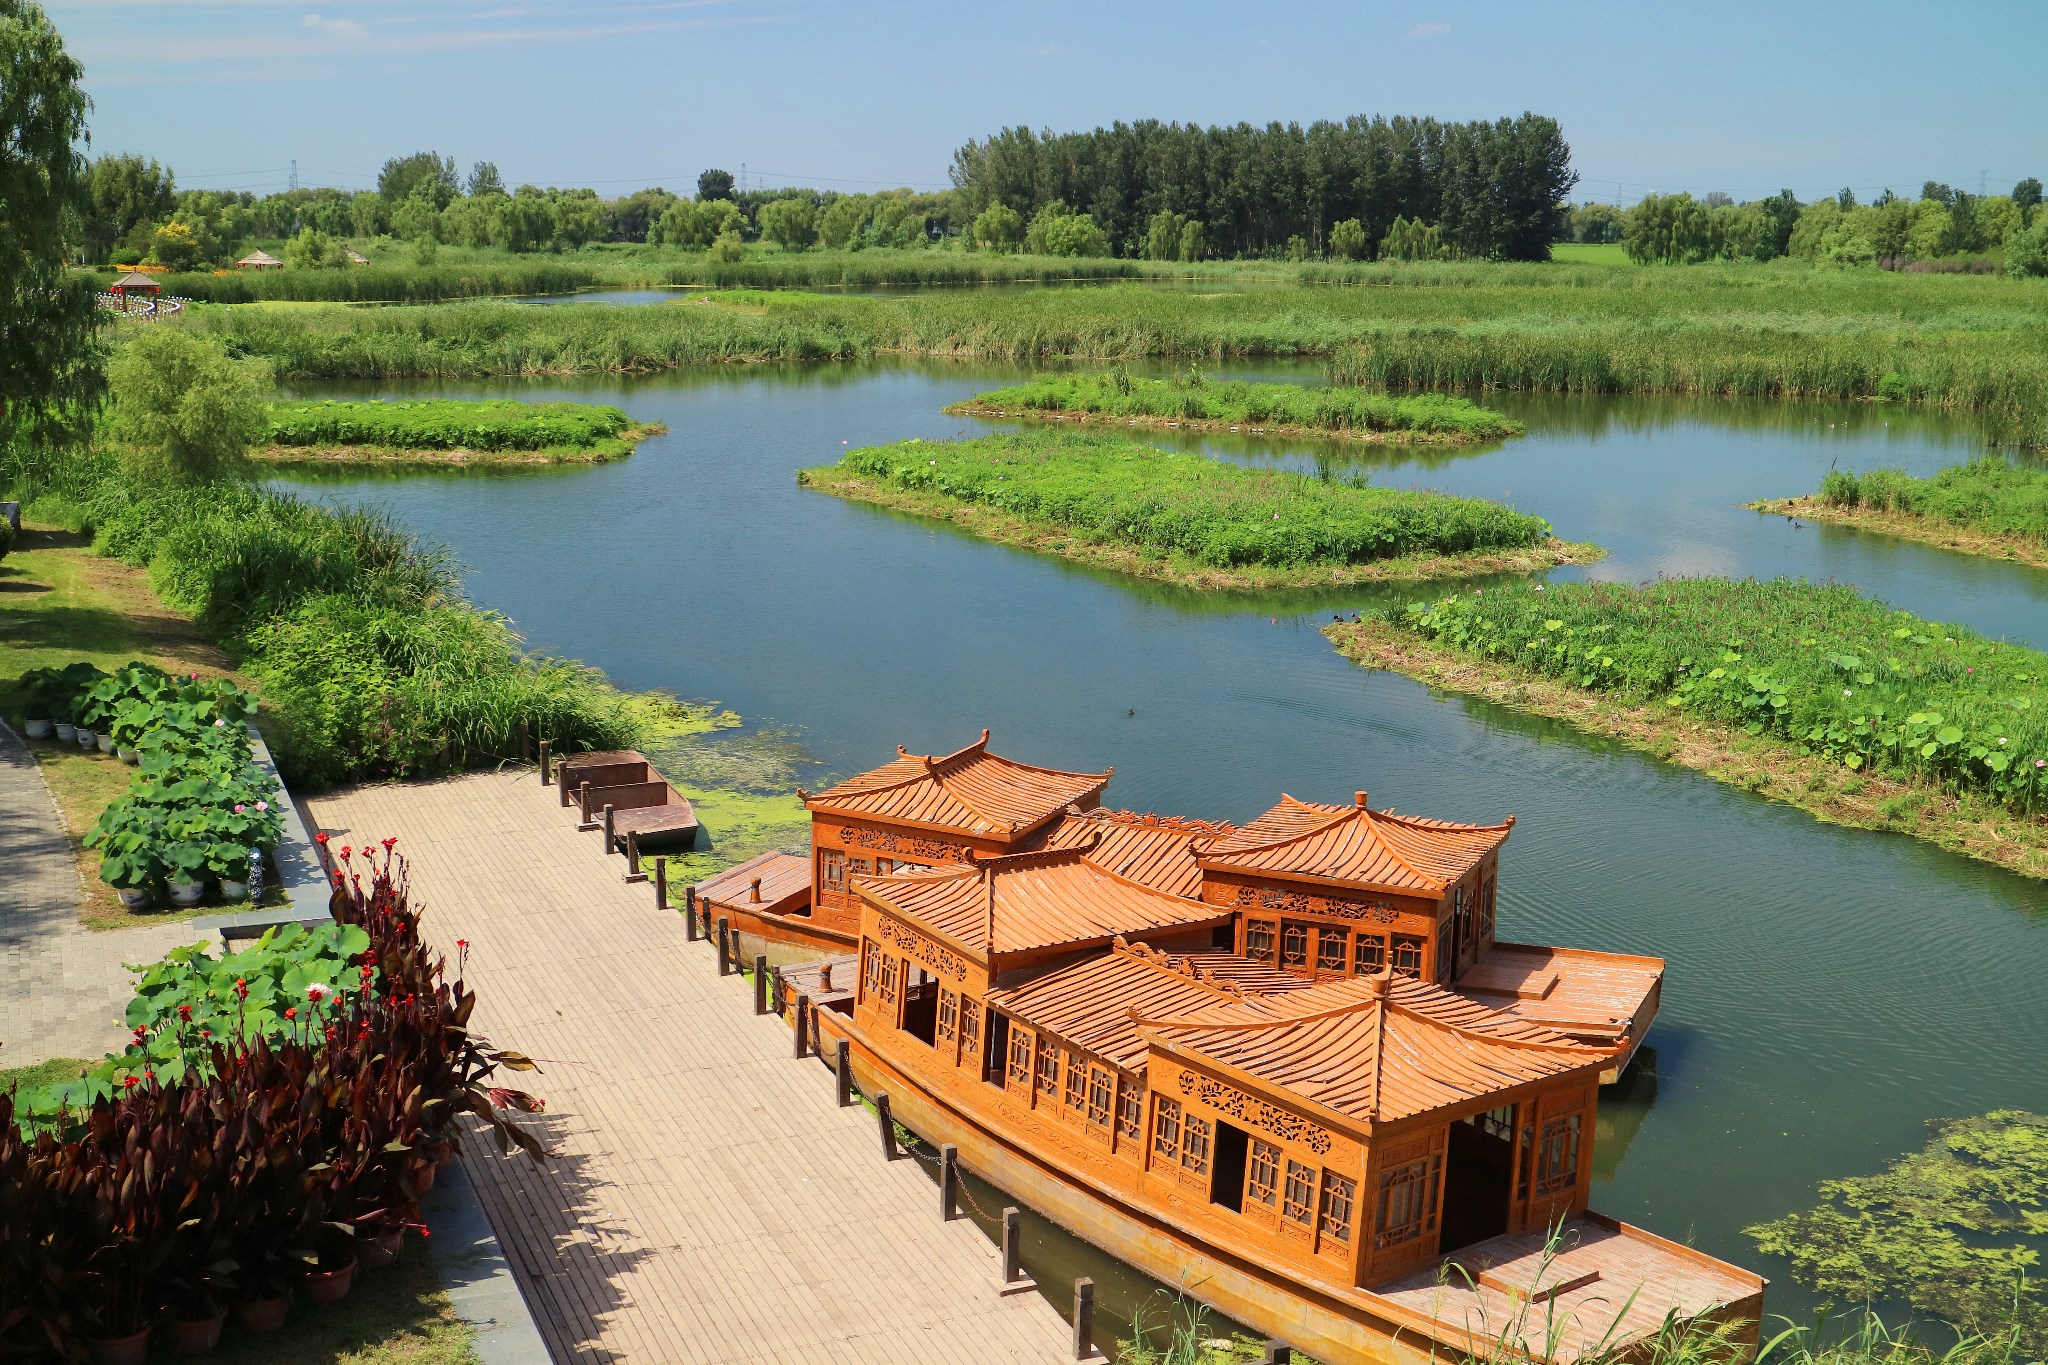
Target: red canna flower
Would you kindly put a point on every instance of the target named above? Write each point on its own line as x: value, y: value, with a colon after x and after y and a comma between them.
x: 388, y: 843
x: 206, y: 1033
x: 129, y: 1082
x: 321, y: 837
x: 291, y: 1012
x: 345, y: 850
x: 185, y: 1012
x: 462, y: 943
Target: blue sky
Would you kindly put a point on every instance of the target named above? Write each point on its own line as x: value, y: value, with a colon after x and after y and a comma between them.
x: 1735, y: 96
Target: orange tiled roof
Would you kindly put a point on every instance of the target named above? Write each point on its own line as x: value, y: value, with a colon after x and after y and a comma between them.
x: 1092, y: 1003
x: 1052, y: 898
x: 972, y: 791
x: 1356, y: 846
x: 782, y: 875
x: 1374, y: 1049
x: 1155, y: 850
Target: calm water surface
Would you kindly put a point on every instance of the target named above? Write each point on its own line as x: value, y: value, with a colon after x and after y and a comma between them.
x: 1829, y: 990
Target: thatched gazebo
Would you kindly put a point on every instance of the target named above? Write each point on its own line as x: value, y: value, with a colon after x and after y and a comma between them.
x: 259, y: 260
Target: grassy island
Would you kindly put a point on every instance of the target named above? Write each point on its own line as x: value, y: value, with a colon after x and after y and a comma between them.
x: 1119, y: 504
x: 1811, y: 694
x: 448, y: 431
x: 1201, y: 404
x: 1991, y: 506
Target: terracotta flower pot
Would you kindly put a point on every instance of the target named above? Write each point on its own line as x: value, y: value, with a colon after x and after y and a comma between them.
x: 196, y: 1337
x: 423, y: 1178
x: 129, y: 1350
x: 377, y: 1252
x: 330, y: 1286
x: 257, y: 1316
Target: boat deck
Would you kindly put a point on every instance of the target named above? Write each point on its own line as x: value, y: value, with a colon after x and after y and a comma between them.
x: 1605, y: 999
x: 1606, y: 1285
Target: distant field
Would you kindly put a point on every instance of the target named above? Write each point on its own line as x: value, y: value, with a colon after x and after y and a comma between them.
x: 1590, y: 253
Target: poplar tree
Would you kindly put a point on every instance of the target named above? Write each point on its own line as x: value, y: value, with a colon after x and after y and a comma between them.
x: 50, y: 359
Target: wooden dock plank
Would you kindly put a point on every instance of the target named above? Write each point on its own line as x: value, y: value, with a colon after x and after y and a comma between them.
x: 707, y: 1201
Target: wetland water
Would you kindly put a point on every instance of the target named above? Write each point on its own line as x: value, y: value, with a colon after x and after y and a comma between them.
x: 1829, y: 990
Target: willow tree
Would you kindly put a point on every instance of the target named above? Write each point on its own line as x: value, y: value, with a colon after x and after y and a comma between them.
x: 50, y: 374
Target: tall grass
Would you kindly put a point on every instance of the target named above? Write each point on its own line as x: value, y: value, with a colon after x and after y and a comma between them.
x: 1167, y: 503
x: 1992, y: 493
x: 1197, y: 399
x: 444, y: 424
x: 370, y: 662
x: 1817, y: 667
x: 1959, y: 341
x: 388, y: 283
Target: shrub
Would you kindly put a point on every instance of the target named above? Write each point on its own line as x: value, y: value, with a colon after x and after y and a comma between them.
x: 443, y: 424
x: 6, y: 537
x: 188, y: 408
x: 1991, y: 493
x: 728, y: 247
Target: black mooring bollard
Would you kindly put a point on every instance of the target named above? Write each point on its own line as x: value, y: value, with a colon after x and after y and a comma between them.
x: 1277, y: 1354
x: 842, y: 1066
x: 760, y: 983
x: 888, y: 1126
x: 725, y: 953
x: 949, y: 1183
x: 1084, y: 1318
x: 661, y: 885
x: 690, y: 913
x: 608, y: 835
x: 803, y: 1040
x: 1013, y: 1246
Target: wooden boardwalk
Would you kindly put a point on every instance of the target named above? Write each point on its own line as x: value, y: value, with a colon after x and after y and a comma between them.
x: 708, y: 1201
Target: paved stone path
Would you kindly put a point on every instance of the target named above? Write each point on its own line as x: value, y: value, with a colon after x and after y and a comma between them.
x: 62, y: 986
x: 707, y: 1201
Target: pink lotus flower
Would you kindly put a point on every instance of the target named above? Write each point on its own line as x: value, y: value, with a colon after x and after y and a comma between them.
x: 262, y: 805
x: 239, y: 809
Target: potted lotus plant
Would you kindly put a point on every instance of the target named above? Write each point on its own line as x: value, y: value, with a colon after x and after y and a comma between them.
x: 128, y: 835
x: 185, y: 870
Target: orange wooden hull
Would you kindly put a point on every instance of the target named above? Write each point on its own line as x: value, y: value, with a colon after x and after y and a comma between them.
x: 1336, y: 1325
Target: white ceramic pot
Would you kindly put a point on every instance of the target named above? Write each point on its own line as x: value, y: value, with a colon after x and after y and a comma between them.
x: 187, y: 894
x: 130, y: 756
x: 134, y: 897
x: 39, y: 729
x: 66, y: 732
x: 86, y: 738
x: 231, y: 890
x: 106, y: 743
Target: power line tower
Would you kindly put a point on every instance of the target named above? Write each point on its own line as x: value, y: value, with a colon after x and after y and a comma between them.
x: 294, y: 185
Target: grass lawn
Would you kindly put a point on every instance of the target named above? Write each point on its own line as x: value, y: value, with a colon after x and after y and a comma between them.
x: 396, y: 1316
x: 42, y: 1073
x: 1590, y: 253
x: 59, y: 602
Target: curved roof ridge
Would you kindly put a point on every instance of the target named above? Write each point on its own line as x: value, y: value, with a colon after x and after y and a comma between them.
x: 930, y: 759
x: 1431, y: 823
x: 1364, y: 814
x: 1161, y: 961
x: 1557, y: 1043
x: 1271, y: 1020
x: 1335, y: 814
x: 1035, y: 857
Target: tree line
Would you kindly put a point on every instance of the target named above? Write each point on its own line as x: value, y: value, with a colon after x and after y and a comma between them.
x: 1492, y: 190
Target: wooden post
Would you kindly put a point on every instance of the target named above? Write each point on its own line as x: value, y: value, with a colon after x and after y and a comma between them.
x: 690, y: 913
x: 1084, y: 1318
x: 608, y: 829
x: 661, y: 885
x: 724, y: 949
x: 775, y: 1004
x: 1013, y: 1246
x: 583, y: 801
x: 545, y: 776
x: 888, y: 1125
x: 803, y: 1040
x: 1277, y: 1354
x: 949, y: 1183
x: 633, y: 872
x: 842, y: 1064
x: 760, y: 983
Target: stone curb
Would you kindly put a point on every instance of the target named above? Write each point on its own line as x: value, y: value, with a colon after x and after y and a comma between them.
x: 472, y: 1268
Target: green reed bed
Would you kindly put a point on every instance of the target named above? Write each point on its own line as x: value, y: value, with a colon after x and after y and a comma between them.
x: 1991, y: 493
x: 1976, y: 342
x: 1818, y: 668
x: 1195, y: 400
x: 389, y: 283
x: 1176, y: 515
x: 433, y: 427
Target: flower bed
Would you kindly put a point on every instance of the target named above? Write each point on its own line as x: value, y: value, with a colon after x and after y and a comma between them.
x: 258, y: 1133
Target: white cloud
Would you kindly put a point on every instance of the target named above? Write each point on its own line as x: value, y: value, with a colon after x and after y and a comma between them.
x: 345, y: 28
x: 1429, y: 30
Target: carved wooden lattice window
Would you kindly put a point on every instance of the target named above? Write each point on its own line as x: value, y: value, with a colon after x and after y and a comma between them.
x: 1101, y: 1091
x: 1258, y: 940
x: 1407, y: 955
x: 970, y: 1032
x: 1333, y: 950
x: 1020, y: 1060
x: 1262, y: 1173
x: 948, y: 1026
x: 871, y: 969
x: 1407, y: 1206
x: 1194, y: 1144
x: 1130, y: 1107
x: 1486, y: 910
x: 888, y: 976
x: 1077, y: 1083
x: 1294, y: 945
x: 1370, y: 956
x: 1557, y: 1155
x: 1048, y: 1068
x: 860, y: 866
x: 832, y: 869
x: 1298, y: 1198
x: 1495, y: 1123
x: 1166, y: 1130
x: 1340, y: 1194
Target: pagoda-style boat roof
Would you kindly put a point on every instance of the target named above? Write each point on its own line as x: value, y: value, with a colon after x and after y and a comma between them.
x: 1373, y: 1049
x: 1155, y: 850
x: 1356, y: 846
x: 969, y: 791
x: 1053, y: 898
x: 783, y: 877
